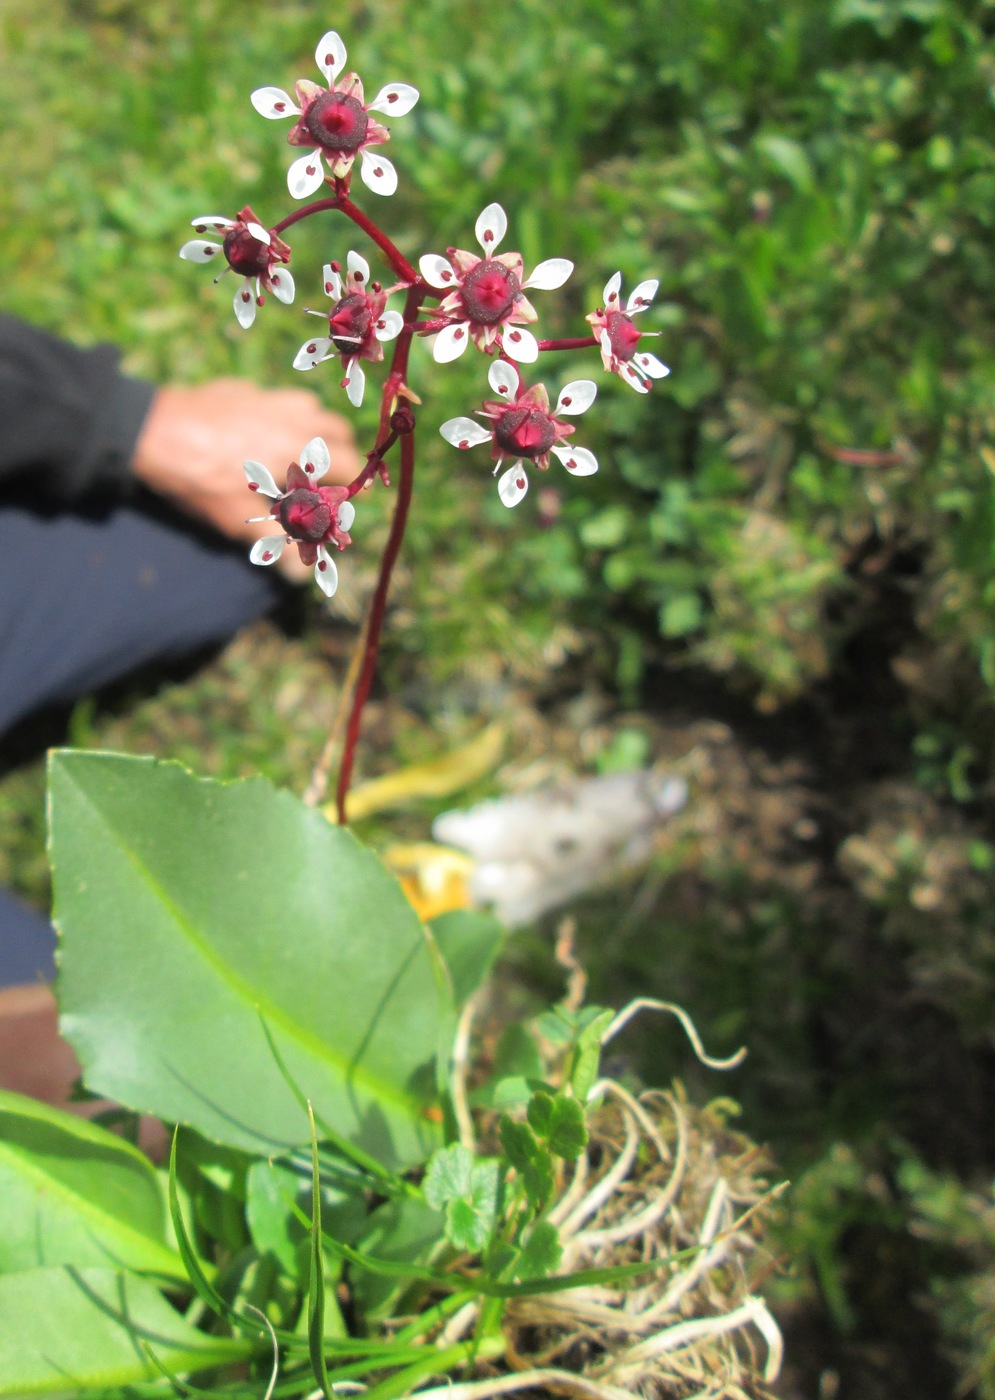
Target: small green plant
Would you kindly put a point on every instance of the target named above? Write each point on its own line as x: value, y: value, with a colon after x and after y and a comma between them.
x: 354, y: 1196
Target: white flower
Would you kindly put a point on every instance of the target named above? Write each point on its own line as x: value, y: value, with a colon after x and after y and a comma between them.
x: 486, y: 301
x: 618, y: 336
x: 249, y: 250
x: 358, y: 325
x: 311, y: 516
x: 334, y: 122
x: 523, y: 427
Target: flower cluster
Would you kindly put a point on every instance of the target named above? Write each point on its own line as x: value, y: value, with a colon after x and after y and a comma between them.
x: 480, y: 297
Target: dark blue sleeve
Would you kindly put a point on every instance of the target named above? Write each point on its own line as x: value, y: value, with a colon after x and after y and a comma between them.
x: 67, y: 413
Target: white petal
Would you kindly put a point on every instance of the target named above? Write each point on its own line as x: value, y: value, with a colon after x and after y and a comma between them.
x: 245, y: 304
x: 512, y: 485
x: 649, y: 364
x: 354, y: 383
x: 199, y: 250
x: 627, y: 372
x: 312, y: 352
x: 258, y: 233
x: 576, y: 396
x: 215, y: 221
x: 451, y: 342
x: 550, y: 274
x: 260, y: 479
x: 355, y: 262
x: 642, y: 296
x: 315, y: 458
x: 612, y: 288
x: 274, y: 103
x: 437, y: 271
x: 332, y: 282
x: 464, y: 432
x: 345, y: 515
x: 503, y: 379
x: 283, y: 285
x: 577, y: 460
x: 268, y: 549
x: 305, y: 175
x: 326, y: 573
x: 491, y: 227
x: 377, y: 173
x: 389, y: 326
x: 396, y: 100
x: 330, y: 56
x: 520, y: 344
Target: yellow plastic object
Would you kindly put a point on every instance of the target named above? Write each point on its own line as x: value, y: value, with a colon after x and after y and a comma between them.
x: 440, y: 777
x: 435, y: 878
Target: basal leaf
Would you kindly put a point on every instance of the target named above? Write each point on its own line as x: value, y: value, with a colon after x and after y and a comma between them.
x: 193, y: 912
x: 73, y: 1193
x: 67, y: 1330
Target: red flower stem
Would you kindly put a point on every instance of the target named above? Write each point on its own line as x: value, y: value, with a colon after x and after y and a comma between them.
x: 580, y: 342
x: 375, y: 624
x: 304, y: 212
x: 389, y: 249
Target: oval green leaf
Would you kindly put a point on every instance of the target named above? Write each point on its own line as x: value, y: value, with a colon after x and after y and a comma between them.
x: 192, y: 912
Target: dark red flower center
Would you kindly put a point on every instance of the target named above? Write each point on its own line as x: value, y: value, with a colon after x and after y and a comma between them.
x: 349, y: 323
x: 622, y: 334
x: 525, y: 432
x: 337, y: 122
x: 245, y: 254
x: 305, y: 515
x: 489, y: 292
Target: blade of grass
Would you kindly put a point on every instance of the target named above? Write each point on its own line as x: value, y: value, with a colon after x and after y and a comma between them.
x: 316, y: 1283
x: 386, y: 1181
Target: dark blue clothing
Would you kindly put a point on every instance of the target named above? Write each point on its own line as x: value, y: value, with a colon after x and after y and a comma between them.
x: 95, y: 579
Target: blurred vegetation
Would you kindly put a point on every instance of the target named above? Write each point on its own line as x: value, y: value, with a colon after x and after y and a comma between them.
x: 798, y: 523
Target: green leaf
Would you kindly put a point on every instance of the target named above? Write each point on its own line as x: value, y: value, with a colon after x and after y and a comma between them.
x: 470, y: 942
x: 273, y: 1226
x: 403, y: 1232
x: 560, y: 1120
x: 470, y: 1220
x: 78, y: 1330
x: 587, y: 1054
x: 789, y: 159
x: 518, y: 1142
x: 468, y: 1189
x: 448, y: 1176
x: 190, y: 909
x: 530, y: 1159
x: 542, y: 1252
x: 72, y: 1193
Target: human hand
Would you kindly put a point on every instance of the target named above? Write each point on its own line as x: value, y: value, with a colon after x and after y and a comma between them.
x: 195, y: 439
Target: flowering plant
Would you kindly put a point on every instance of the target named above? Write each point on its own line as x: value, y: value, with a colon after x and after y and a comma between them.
x: 452, y: 299
x: 356, y: 1199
